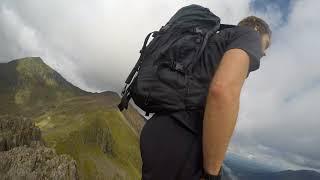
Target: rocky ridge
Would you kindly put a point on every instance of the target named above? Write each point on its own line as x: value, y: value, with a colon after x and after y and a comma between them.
x: 23, y: 154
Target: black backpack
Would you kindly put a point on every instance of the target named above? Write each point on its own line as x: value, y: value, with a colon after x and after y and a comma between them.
x: 163, y: 79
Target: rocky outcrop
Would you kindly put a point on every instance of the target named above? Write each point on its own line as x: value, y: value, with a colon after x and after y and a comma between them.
x: 17, y: 131
x: 36, y: 162
x: 24, y: 156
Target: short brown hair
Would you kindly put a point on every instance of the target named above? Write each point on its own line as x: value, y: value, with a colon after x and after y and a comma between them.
x: 257, y: 23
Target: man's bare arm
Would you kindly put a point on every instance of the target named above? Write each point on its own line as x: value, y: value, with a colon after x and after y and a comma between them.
x: 222, y: 107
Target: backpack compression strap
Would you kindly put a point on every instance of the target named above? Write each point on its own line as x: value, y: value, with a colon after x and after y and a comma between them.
x: 137, y: 66
x: 125, y: 92
x: 225, y: 26
x: 205, y: 41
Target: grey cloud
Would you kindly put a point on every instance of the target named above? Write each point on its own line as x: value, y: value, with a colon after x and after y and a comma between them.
x: 94, y: 44
x: 101, y: 39
x: 280, y: 102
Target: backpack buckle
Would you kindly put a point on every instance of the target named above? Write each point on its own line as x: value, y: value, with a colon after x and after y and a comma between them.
x: 165, y: 28
x: 177, y: 66
x: 198, y: 30
x: 124, y: 101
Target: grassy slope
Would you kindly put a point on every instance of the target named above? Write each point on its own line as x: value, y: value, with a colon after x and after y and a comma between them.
x: 73, y: 128
x: 87, y: 126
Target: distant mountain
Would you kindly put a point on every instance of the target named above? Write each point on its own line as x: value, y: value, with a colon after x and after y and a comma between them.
x: 240, y: 165
x: 28, y: 83
x: 87, y: 126
x: 284, y: 175
x: 240, y: 168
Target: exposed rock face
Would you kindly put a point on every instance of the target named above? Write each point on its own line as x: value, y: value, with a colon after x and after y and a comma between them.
x: 36, y: 162
x: 17, y: 131
x: 105, y: 140
x: 24, y: 156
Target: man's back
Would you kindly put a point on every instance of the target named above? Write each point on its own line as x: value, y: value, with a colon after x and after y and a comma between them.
x: 188, y: 143
x: 237, y: 37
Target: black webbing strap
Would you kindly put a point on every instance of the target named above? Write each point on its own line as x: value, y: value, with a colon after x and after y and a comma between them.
x: 225, y: 26
x: 209, y: 34
x: 205, y: 41
x: 137, y: 66
x: 125, y: 92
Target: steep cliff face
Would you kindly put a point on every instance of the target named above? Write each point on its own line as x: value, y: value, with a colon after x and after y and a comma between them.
x: 24, y: 156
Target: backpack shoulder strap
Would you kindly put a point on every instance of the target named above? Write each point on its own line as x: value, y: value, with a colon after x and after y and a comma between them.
x: 137, y: 66
x: 206, y: 38
x: 126, y: 96
x: 225, y: 26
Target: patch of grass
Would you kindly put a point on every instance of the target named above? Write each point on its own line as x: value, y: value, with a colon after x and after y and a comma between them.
x: 98, y: 138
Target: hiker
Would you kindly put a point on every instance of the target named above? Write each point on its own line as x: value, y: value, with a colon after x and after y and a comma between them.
x: 192, y: 80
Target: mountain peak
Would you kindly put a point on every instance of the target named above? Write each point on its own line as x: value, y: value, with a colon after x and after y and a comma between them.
x: 32, y: 65
x: 27, y: 59
x: 30, y: 81
x: 30, y: 58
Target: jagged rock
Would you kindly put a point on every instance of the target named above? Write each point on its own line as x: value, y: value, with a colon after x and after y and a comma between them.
x: 24, y: 156
x: 36, y: 162
x: 16, y: 131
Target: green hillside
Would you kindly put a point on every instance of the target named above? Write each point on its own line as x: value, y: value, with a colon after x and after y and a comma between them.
x: 96, y: 135
x: 87, y: 126
x: 27, y: 84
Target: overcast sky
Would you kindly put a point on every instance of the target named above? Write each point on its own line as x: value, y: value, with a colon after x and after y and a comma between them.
x: 94, y: 45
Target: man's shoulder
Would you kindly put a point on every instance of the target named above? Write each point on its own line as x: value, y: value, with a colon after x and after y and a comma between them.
x: 237, y: 31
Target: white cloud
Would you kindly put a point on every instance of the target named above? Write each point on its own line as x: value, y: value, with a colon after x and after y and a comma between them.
x: 100, y: 38
x: 94, y: 44
x: 280, y: 102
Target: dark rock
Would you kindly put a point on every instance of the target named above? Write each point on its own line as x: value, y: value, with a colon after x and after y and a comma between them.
x: 36, y: 162
x: 24, y: 156
x: 17, y: 131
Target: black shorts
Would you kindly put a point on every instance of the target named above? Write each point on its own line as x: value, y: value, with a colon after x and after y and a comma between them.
x: 171, y: 149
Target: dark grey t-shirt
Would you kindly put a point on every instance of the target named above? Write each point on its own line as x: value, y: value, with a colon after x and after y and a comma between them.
x: 238, y: 37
